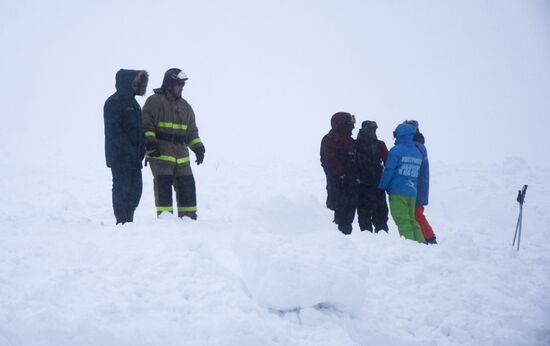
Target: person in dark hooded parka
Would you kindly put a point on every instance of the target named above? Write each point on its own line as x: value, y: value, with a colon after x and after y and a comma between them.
x: 338, y: 161
x: 371, y: 155
x: 125, y: 142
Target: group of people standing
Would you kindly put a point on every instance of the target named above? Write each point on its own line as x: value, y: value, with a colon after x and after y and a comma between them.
x: 360, y: 171
x: 162, y: 134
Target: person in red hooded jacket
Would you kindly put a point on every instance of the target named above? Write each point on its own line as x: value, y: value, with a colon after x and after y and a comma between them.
x: 338, y: 161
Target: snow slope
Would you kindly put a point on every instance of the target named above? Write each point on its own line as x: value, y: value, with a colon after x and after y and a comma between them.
x: 264, y: 265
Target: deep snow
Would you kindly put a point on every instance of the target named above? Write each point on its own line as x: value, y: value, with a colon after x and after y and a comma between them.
x: 265, y: 265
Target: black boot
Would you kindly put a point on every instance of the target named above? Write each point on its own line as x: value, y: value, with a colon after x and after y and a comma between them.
x: 346, y: 229
x: 121, y: 216
x: 385, y: 229
x: 432, y: 241
x: 192, y: 215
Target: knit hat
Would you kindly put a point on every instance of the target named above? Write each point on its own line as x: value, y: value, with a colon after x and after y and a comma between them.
x: 368, y: 124
x: 413, y: 123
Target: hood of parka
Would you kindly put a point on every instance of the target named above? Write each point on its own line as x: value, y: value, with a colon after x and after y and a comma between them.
x: 342, y: 123
x: 131, y: 82
x: 404, y: 134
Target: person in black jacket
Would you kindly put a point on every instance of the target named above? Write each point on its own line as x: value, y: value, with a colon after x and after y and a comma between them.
x: 125, y: 142
x: 371, y: 155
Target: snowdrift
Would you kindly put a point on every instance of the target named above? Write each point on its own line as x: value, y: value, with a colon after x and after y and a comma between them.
x: 265, y: 265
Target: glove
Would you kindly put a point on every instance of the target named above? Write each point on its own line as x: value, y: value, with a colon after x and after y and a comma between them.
x: 199, y: 153
x: 153, y: 149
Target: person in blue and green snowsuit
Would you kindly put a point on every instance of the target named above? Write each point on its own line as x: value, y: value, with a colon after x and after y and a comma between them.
x: 400, y: 179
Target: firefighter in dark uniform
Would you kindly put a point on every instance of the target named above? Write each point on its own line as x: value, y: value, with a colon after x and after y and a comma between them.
x: 170, y: 130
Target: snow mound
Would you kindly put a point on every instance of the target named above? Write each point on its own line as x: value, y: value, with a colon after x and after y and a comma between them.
x: 285, y: 273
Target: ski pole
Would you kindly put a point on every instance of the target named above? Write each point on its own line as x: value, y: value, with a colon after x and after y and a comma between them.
x: 520, y: 199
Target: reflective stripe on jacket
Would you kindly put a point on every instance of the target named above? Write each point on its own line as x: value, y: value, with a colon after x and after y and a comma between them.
x: 171, y: 123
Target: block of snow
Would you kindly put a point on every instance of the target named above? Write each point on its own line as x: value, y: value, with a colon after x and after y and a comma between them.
x: 285, y: 273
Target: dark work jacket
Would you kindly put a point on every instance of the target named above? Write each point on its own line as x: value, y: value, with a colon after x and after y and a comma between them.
x: 338, y: 159
x: 371, y: 154
x: 124, y: 136
x: 337, y: 149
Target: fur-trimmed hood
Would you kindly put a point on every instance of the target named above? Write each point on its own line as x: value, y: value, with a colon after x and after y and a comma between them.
x: 131, y: 82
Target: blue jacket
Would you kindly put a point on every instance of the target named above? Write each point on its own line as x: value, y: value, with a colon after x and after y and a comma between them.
x: 124, y: 136
x: 423, y: 177
x: 402, y: 168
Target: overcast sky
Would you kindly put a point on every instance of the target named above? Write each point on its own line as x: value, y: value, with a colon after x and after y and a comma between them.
x: 266, y: 76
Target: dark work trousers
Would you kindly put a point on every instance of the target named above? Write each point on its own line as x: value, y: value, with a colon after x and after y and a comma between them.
x: 127, y: 188
x: 343, y: 217
x: 179, y: 177
x: 372, y: 209
x: 343, y: 200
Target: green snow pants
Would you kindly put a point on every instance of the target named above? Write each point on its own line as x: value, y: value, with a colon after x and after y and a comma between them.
x: 402, y: 211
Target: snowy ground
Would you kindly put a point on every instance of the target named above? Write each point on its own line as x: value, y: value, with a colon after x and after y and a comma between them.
x: 264, y: 265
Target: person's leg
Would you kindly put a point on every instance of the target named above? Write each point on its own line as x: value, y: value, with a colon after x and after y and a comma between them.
x: 380, y: 214
x: 343, y: 217
x: 163, y: 179
x: 425, y: 226
x: 186, y: 196
x: 417, y: 232
x: 121, y: 190
x: 402, y: 211
x: 364, y: 209
x: 136, y: 189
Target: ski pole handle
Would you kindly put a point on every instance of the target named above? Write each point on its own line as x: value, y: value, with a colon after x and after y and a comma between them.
x: 521, y: 194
